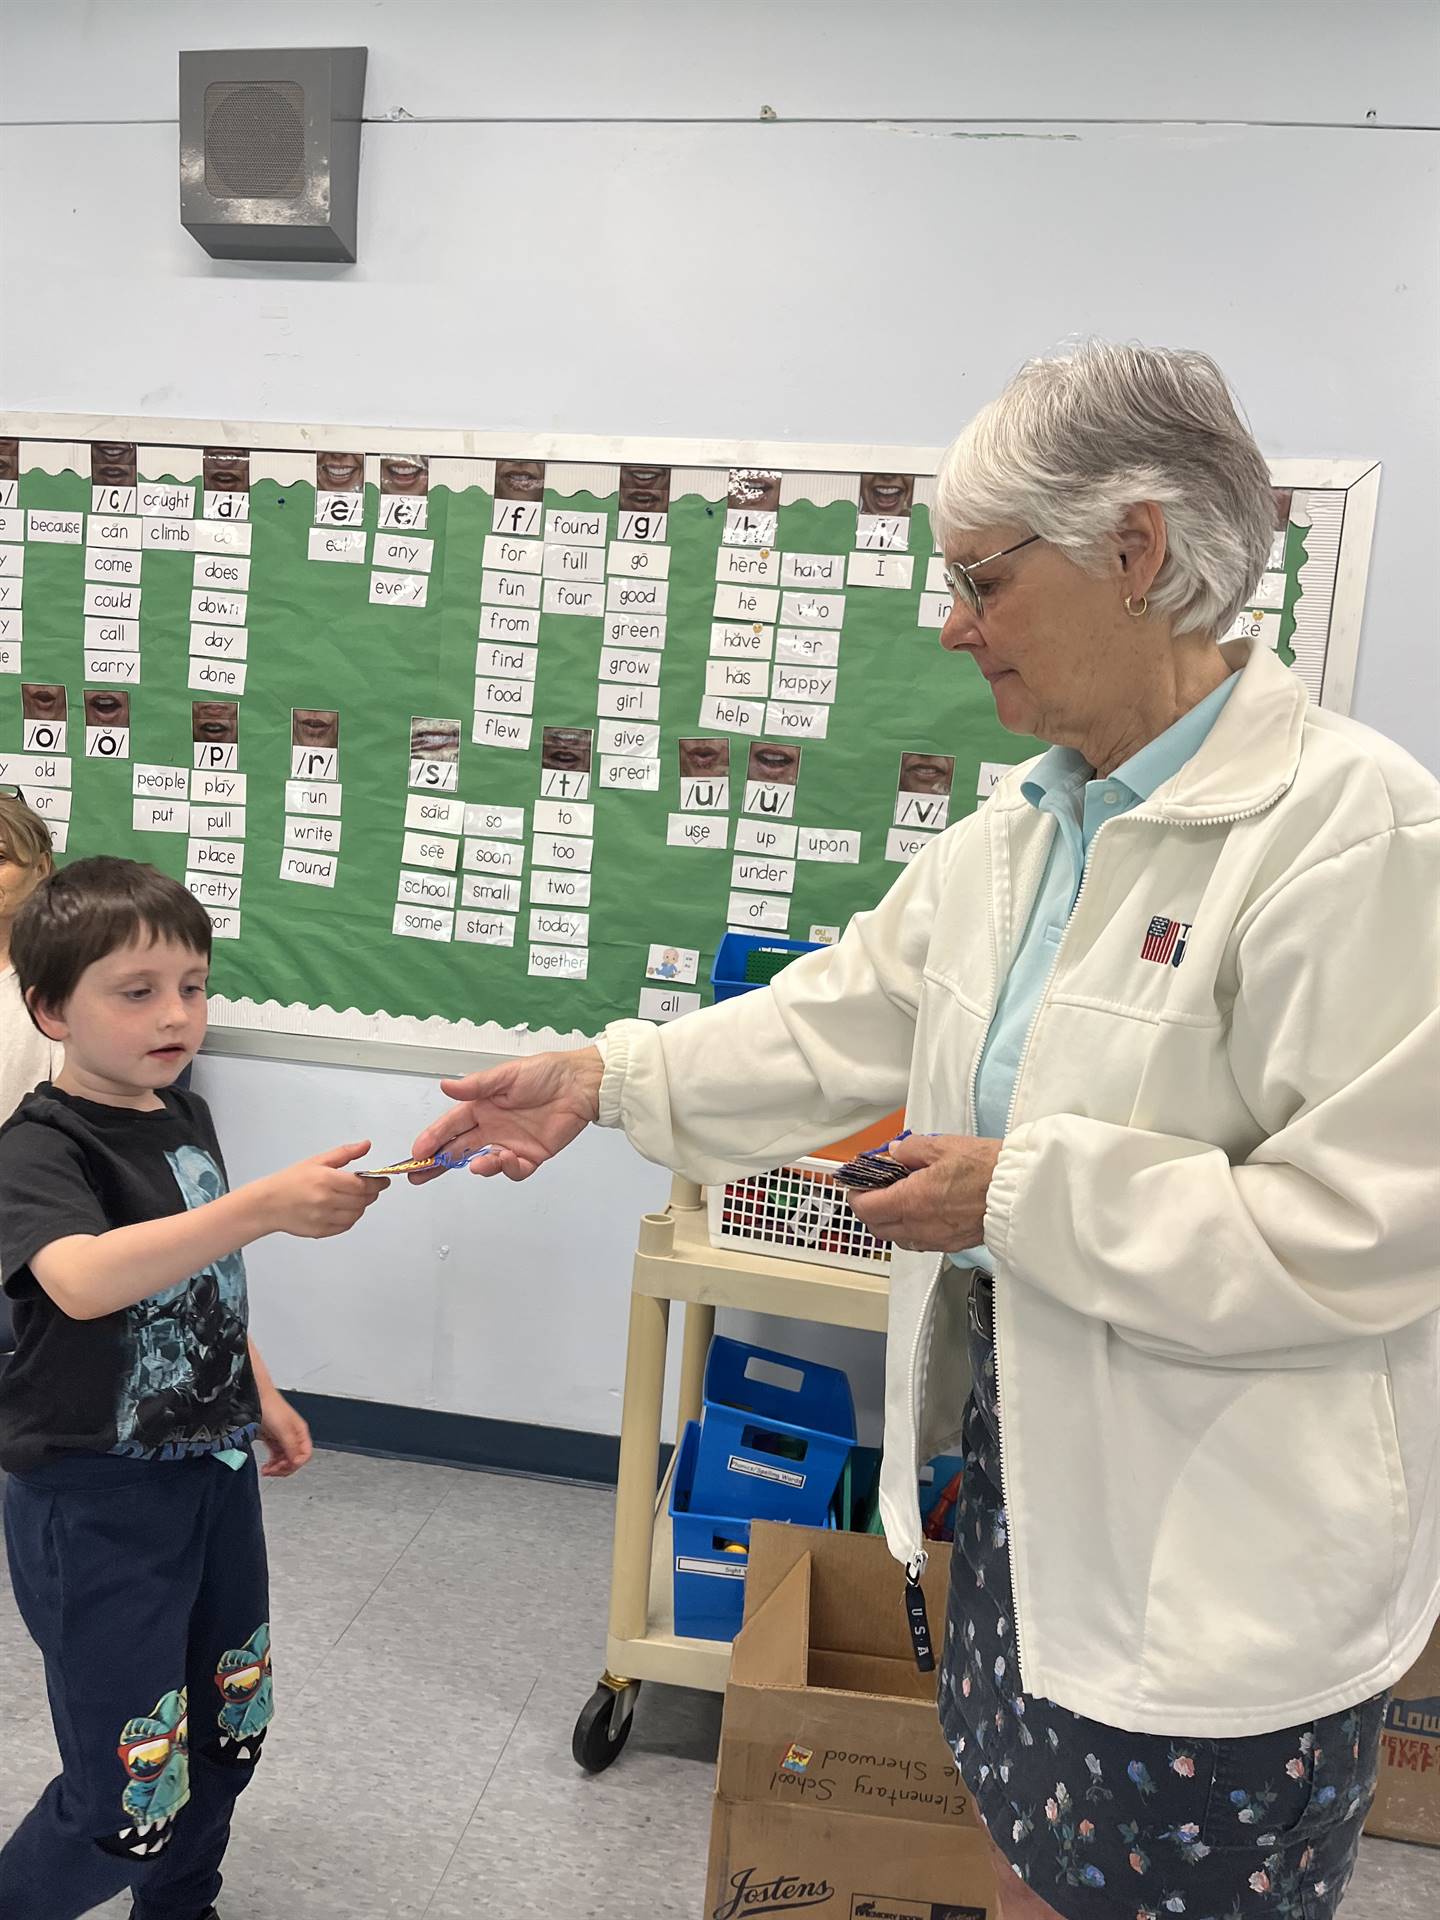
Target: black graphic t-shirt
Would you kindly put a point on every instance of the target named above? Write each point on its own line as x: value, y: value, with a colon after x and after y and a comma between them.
x: 167, y: 1377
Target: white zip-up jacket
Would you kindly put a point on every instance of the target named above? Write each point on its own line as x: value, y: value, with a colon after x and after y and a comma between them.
x: 1215, y: 1217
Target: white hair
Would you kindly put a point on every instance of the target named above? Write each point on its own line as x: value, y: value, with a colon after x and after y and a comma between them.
x: 1077, y: 438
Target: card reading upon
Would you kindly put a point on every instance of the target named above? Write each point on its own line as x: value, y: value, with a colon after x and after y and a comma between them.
x: 339, y: 489
x: 673, y: 963
x: 833, y: 845
x: 225, y: 483
x: 922, y: 796
x: 435, y: 754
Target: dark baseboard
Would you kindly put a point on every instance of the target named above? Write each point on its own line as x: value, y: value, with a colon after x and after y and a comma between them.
x: 460, y: 1439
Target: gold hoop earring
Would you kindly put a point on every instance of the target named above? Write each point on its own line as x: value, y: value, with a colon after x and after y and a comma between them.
x: 1137, y: 613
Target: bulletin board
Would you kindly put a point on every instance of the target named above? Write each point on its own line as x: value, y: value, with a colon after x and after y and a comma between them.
x: 472, y: 743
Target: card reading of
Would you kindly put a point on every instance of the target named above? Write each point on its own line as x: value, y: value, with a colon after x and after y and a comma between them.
x: 769, y: 911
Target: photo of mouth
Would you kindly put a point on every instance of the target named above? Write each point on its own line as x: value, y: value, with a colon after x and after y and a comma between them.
x: 520, y: 480
x: 9, y: 459
x: 317, y: 727
x: 225, y: 470
x: 214, y: 722
x: 566, y: 749
x: 644, y: 489
x: 704, y: 759
x: 107, y: 707
x: 886, y: 494
x: 112, y: 463
x: 754, y: 490
x: 340, y: 472
x: 926, y: 772
x: 43, y: 702
x: 772, y: 762
x: 401, y: 473
x: 432, y: 739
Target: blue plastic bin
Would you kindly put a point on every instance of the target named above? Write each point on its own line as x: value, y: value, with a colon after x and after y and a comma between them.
x: 776, y: 1435
x: 727, y: 972
x: 709, y: 1575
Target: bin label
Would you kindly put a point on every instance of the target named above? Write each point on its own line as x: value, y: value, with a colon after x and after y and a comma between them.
x: 717, y: 1569
x: 758, y: 1471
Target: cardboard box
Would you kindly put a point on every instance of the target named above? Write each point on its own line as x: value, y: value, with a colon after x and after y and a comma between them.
x: 836, y: 1794
x: 1407, y: 1799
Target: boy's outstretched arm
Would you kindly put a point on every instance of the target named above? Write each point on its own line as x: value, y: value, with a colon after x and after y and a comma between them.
x: 88, y: 1275
x: 284, y: 1431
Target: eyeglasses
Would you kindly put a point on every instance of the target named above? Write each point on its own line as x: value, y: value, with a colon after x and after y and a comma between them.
x: 959, y: 578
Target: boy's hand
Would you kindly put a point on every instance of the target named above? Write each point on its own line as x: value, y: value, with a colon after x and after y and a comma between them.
x: 315, y: 1199
x: 286, y: 1436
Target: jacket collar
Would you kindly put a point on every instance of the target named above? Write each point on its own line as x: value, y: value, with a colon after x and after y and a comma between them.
x: 1247, y: 760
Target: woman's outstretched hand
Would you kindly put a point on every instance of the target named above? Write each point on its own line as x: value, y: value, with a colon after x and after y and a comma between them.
x: 525, y: 1112
x: 940, y: 1207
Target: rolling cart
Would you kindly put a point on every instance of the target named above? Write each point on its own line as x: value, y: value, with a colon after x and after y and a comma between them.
x: 674, y: 1261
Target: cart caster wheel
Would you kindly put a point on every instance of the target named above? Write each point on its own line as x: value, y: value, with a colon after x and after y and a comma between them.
x: 604, y: 1726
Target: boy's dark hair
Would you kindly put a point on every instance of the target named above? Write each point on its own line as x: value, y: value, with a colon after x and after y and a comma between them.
x: 87, y: 910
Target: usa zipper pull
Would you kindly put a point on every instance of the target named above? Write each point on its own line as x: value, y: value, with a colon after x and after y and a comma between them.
x: 917, y: 1617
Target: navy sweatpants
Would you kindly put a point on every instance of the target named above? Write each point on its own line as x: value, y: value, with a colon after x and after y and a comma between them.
x: 144, y: 1584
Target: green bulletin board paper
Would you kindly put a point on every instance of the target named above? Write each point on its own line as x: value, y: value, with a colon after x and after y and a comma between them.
x: 316, y: 641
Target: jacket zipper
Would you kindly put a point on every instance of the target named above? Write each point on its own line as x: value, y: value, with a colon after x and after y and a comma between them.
x: 1220, y: 821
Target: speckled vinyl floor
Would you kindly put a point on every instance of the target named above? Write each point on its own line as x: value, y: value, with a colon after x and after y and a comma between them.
x: 436, y: 1634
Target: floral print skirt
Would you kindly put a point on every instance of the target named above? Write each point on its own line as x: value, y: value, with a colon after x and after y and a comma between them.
x: 1107, y: 1825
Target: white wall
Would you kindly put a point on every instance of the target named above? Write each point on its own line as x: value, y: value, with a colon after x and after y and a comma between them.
x: 572, y: 218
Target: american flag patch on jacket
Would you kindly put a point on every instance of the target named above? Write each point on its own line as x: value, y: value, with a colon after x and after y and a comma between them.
x: 1165, y: 941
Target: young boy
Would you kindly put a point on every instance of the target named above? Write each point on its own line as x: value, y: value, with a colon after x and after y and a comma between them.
x: 26, y: 1056
x: 132, y: 1512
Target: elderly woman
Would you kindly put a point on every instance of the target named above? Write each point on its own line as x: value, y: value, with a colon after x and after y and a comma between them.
x: 1163, y: 1016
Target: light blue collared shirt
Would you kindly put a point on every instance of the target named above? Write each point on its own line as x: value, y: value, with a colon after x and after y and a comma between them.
x: 1061, y: 784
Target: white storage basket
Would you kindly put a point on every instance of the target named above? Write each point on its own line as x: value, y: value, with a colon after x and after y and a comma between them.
x: 798, y: 1212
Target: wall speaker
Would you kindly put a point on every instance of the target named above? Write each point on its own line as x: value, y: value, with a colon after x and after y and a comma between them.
x: 270, y: 151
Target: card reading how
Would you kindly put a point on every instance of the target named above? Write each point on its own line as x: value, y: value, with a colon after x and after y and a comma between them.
x: 644, y: 502
x: 435, y: 754
x: 404, y: 484
x: 566, y: 755
x: 519, y: 496
x: 314, y: 743
x: 225, y: 483
x: 922, y: 796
